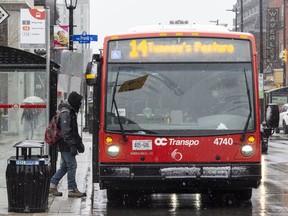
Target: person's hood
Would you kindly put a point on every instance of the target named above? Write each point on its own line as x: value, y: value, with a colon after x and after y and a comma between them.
x: 74, y: 99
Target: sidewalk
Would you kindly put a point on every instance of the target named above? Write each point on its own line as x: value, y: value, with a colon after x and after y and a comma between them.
x: 65, y: 205
x: 279, y: 136
x: 76, y: 206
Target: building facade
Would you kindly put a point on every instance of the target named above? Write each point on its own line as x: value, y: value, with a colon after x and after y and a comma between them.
x: 269, y: 36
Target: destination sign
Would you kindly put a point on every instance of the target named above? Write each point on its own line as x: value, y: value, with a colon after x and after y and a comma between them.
x: 145, y: 48
x: 177, y: 49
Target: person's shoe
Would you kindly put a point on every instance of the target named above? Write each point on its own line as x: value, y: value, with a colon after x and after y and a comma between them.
x: 76, y: 193
x: 55, y: 192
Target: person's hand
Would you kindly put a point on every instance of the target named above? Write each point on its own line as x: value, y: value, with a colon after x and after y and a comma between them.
x: 73, y: 151
x: 81, y: 147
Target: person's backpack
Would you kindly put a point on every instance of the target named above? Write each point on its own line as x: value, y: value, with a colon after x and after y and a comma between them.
x: 52, y: 132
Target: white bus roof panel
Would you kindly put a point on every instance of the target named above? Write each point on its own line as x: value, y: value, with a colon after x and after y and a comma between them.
x: 178, y: 27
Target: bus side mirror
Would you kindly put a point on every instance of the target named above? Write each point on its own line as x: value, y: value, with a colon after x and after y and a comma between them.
x: 272, y: 115
x: 92, y: 70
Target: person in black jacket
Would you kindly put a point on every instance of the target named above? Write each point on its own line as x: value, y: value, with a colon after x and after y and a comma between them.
x: 69, y: 145
x: 28, y: 116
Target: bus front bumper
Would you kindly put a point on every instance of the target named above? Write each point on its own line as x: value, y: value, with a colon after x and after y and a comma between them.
x: 185, y: 176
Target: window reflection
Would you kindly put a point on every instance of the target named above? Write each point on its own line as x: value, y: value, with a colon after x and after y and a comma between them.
x: 23, y: 105
x: 180, y: 98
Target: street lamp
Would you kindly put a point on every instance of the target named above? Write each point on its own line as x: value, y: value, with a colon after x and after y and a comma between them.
x: 71, y: 5
x: 215, y: 21
x: 284, y: 41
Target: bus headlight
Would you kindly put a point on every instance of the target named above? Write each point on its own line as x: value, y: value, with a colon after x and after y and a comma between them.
x: 247, y: 150
x: 113, y: 151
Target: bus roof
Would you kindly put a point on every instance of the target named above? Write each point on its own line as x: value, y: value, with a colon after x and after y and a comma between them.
x: 178, y: 27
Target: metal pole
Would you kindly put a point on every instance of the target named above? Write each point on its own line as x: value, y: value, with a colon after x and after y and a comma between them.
x: 71, y: 26
x: 84, y: 91
x: 284, y: 41
x: 261, y: 62
x: 70, y: 74
x: 241, y: 15
x: 261, y: 37
x: 47, y: 32
x: 86, y: 128
x: 236, y: 23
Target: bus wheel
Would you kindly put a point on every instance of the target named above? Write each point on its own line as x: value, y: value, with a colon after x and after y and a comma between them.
x: 243, y: 195
x: 222, y: 198
x: 277, y: 130
x: 115, y: 195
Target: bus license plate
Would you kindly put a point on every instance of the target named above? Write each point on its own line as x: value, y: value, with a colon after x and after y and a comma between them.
x: 142, y: 145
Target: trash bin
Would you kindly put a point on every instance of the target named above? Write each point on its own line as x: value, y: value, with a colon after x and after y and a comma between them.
x: 27, y: 178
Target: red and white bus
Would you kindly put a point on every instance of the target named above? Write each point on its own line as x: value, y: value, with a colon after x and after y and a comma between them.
x: 176, y: 109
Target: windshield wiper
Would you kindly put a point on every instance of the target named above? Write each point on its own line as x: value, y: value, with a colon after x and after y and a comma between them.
x: 250, y: 108
x: 116, y: 108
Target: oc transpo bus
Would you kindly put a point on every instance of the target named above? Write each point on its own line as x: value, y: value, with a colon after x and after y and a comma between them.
x: 176, y: 111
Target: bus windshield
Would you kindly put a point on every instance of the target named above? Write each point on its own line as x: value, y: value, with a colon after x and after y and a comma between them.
x: 179, y: 98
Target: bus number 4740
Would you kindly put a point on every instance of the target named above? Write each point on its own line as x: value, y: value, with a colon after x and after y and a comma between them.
x: 223, y: 141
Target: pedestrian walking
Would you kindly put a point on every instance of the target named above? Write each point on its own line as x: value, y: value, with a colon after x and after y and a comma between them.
x: 69, y: 145
x: 28, y: 119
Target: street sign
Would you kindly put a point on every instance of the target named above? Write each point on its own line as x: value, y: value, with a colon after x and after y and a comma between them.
x: 3, y: 14
x: 84, y: 38
x: 32, y: 28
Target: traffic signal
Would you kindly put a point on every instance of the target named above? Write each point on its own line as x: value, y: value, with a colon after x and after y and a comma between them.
x: 284, y: 55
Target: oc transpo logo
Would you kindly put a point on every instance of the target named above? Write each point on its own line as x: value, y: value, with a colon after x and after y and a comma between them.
x: 161, y: 141
x: 176, y: 155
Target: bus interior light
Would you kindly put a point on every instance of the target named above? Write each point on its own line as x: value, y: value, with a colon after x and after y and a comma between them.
x: 113, y: 151
x: 247, y: 150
